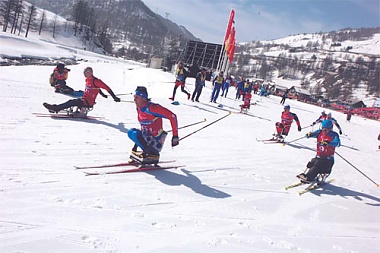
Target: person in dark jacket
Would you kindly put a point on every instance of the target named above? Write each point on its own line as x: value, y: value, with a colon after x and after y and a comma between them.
x: 200, y: 81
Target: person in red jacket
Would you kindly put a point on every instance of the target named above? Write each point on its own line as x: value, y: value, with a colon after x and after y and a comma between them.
x: 247, y: 101
x: 151, y: 137
x: 283, y: 127
x: 327, y: 141
x: 92, y: 89
x: 60, y: 75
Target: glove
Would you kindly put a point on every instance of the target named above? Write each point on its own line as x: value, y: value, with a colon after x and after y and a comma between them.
x: 175, y: 141
x: 340, y: 132
x: 324, y: 143
x: 299, y: 128
x: 116, y: 99
x: 308, y: 135
x: 313, y: 124
x: 104, y: 95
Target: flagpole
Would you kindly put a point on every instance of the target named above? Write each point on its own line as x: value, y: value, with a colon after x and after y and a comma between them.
x: 228, y: 30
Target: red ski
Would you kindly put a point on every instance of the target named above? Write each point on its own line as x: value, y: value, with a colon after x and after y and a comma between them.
x: 58, y: 115
x: 116, y: 165
x: 135, y: 169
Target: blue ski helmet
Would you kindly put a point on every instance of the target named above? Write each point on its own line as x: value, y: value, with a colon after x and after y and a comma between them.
x: 287, y: 107
x: 327, y: 124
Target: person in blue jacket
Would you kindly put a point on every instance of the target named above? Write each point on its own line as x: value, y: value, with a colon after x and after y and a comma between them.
x: 322, y: 163
x: 239, y: 88
x: 226, y: 86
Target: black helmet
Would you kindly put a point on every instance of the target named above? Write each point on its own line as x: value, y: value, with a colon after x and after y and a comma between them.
x: 60, y: 66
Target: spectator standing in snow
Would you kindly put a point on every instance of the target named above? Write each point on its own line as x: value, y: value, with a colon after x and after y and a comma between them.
x: 283, y: 127
x: 60, y: 75
x: 151, y: 137
x: 181, y: 74
x: 349, y: 115
x: 217, y: 82
x: 92, y: 89
x: 226, y: 86
x: 322, y: 163
x: 200, y: 81
x: 284, y: 96
x: 239, y: 88
x: 255, y: 87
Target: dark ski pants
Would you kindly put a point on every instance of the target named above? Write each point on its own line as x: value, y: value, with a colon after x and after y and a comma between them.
x: 197, y: 92
x: 317, y: 166
x: 72, y: 102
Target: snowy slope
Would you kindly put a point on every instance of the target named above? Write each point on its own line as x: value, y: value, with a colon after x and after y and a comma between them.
x: 229, y: 197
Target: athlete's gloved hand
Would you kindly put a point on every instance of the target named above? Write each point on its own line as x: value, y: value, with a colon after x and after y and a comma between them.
x: 324, y: 143
x: 308, y: 135
x: 175, y: 141
x: 340, y: 132
x: 116, y: 99
x: 312, y: 124
x: 103, y: 95
x: 299, y: 128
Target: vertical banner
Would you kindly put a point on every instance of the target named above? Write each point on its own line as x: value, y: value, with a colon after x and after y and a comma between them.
x: 226, y: 42
x: 229, y: 26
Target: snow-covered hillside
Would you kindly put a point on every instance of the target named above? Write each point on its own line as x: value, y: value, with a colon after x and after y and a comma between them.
x: 228, y: 197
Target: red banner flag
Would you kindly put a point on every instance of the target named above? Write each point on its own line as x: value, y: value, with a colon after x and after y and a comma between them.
x: 229, y: 26
x: 231, y: 44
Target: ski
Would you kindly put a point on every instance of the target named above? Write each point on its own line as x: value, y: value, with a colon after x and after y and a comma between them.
x: 135, y: 169
x: 116, y: 165
x: 293, y: 185
x: 58, y: 115
x: 314, y: 186
x: 269, y: 141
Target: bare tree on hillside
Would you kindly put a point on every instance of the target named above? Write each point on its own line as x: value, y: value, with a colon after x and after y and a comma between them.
x: 18, y: 9
x: 5, y: 11
x: 80, y: 15
x: 32, y: 12
x: 42, y: 22
x: 54, y: 25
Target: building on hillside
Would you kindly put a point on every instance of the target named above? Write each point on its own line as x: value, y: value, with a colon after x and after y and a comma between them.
x: 294, y: 93
x: 354, y: 102
x: 376, y: 104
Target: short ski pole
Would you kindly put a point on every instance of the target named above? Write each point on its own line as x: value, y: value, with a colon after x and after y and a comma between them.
x: 192, y: 124
x: 124, y: 94
x: 229, y: 113
x: 357, y: 169
x: 127, y: 101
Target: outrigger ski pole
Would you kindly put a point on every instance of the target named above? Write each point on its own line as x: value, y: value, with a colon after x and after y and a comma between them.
x: 229, y: 113
x: 192, y: 124
x: 293, y: 140
x: 357, y: 169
